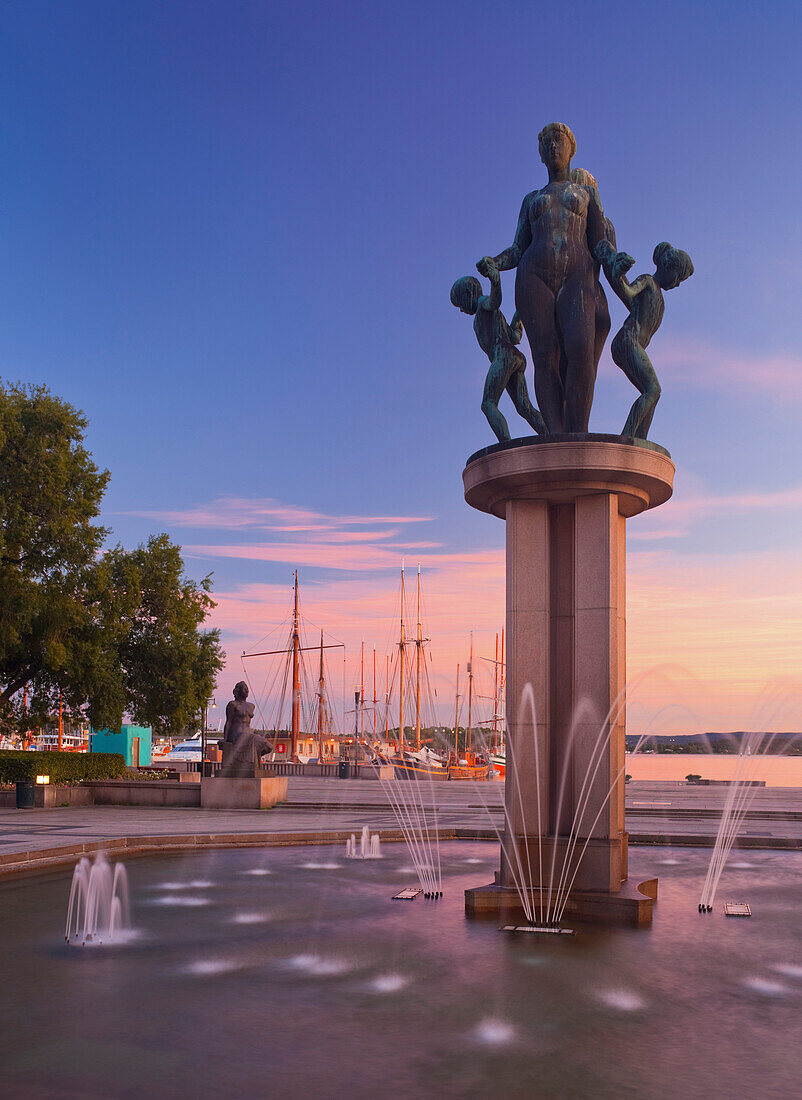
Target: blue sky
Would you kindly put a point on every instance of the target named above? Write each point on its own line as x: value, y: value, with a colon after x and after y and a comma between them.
x: 228, y: 234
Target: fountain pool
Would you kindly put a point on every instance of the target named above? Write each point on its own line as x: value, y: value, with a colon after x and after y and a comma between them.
x: 308, y: 980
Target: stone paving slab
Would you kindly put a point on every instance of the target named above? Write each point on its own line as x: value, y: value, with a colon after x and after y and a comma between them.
x: 317, y: 807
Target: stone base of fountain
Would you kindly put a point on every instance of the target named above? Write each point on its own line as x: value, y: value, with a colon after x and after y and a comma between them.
x: 597, y: 864
x: 242, y: 794
x: 565, y: 500
x: 632, y: 905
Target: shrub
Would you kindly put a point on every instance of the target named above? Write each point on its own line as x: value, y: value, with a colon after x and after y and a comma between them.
x: 62, y: 767
x: 693, y: 777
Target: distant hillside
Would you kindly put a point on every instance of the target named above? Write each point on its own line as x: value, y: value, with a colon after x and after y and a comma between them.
x: 781, y: 744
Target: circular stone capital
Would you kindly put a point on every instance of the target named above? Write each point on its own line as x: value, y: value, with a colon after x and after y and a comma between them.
x: 559, y: 468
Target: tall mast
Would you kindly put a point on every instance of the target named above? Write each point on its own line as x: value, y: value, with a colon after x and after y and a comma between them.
x: 418, y: 651
x: 321, y: 688
x: 375, y: 697
x: 362, y: 691
x: 495, y: 700
x: 470, y: 698
x: 387, y: 698
x: 296, y: 675
x: 292, y: 662
x: 356, y: 730
x: 456, y: 720
x: 501, y: 683
x: 401, y: 647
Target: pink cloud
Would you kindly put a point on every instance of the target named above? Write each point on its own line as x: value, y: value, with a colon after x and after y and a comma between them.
x: 326, y: 534
x: 700, y: 364
x: 722, y: 634
x: 461, y: 594
x: 677, y: 519
x: 233, y: 513
x: 707, y: 636
x: 713, y: 643
x: 350, y: 557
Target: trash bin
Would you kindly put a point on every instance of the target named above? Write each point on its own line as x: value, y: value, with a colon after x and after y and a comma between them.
x: 25, y: 794
x: 343, y: 769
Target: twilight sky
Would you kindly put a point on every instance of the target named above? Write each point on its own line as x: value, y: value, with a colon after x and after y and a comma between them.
x: 228, y: 234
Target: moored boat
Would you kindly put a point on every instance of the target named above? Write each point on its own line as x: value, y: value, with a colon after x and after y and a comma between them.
x: 470, y: 767
x: 417, y: 765
x: 411, y: 769
x: 411, y: 759
x: 467, y: 765
x: 498, y: 762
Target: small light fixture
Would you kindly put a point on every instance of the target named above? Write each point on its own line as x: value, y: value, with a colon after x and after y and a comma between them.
x: 42, y: 780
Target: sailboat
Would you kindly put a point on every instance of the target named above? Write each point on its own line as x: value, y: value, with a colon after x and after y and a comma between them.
x: 419, y: 761
x: 315, y: 744
x: 469, y: 765
x: 498, y: 751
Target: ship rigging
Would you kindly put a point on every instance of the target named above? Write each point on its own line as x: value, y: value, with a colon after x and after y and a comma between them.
x: 319, y: 719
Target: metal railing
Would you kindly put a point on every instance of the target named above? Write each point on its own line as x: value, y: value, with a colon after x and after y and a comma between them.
x: 321, y: 770
x: 280, y: 767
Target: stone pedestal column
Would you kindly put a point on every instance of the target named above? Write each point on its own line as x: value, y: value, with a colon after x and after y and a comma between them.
x: 565, y: 500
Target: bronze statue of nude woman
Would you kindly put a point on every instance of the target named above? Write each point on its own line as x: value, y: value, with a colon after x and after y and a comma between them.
x: 560, y: 237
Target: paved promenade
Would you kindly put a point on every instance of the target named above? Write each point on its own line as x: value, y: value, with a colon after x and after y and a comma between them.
x: 656, y: 813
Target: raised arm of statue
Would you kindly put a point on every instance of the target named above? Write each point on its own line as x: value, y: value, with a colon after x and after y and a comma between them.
x: 627, y: 291
x: 603, y: 250
x: 492, y: 301
x: 511, y: 256
x: 615, y: 266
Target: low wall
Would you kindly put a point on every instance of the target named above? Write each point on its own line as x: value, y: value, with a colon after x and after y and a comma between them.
x: 144, y: 792
x: 66, y: 854
x: 49, y: 795
x: 184, y: 792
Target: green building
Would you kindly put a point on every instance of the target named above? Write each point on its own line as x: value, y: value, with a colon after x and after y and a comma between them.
x: 134, y: 742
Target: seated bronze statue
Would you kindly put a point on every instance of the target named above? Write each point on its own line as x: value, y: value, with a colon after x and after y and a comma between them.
x: 242, y: 747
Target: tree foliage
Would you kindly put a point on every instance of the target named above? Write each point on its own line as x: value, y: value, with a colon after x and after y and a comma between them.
x: 169, y: 666
x: 105, y: 633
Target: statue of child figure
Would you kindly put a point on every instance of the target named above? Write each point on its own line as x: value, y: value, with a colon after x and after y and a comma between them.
x: 644, y: 300
x: 498, y: 341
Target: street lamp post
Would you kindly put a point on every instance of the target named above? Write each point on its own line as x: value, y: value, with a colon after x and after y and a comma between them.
x: 204, y: 720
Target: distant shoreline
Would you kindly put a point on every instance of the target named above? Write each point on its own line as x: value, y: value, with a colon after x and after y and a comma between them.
x: 777, y: 771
